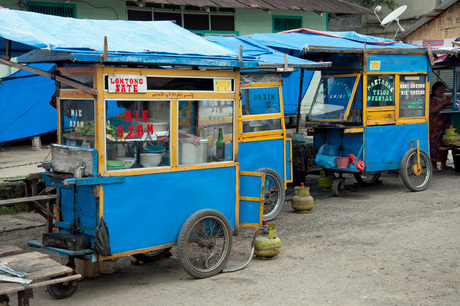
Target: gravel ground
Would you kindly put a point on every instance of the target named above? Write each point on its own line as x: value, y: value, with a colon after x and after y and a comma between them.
x: 381, y: 245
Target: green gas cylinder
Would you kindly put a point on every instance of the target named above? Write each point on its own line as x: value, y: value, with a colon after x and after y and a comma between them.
x: 267, y: 244
x: 302, y: 202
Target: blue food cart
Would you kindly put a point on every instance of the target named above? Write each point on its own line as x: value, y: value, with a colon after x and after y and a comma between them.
x: 163, y: 140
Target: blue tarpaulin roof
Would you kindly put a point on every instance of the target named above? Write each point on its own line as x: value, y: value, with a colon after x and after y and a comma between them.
x: 129, y: 41
x: 298, y: 42
x: 24, y: 104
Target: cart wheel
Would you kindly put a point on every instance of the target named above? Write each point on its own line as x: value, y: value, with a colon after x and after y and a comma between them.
x: 63, y: 290
x: 204, y: 243
x: 338, y: 186
x: 153, y: 255
x: 415, y: 179
x: 273, y: 193
x: 367, y: 178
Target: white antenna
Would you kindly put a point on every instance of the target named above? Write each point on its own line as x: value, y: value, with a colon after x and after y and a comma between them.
x: 391, y: 17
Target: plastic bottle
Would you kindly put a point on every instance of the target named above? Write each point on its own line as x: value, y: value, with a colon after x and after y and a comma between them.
x: 220, y: 146
x: 213, y: 142
x: 205, y: 132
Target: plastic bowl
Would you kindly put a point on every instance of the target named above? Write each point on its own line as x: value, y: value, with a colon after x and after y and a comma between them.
x: 154, y: 149
x: 150, y: 159
x: 115, y: 163
x: 128, y: 161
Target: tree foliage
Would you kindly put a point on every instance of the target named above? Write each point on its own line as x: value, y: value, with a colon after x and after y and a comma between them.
x: 391, y: 4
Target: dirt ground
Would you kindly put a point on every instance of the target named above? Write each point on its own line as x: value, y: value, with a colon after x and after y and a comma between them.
x: 382, y: 245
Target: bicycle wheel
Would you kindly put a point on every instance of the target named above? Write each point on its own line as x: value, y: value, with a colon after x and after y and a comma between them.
x: 273, y: 193
x: 413, y: 179
x: 367, y: 178
x: 153, y: 255
x: 204, y: 243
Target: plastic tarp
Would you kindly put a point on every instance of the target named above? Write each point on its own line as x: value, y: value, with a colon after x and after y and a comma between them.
x: 338, y: 40
x: 68, y: 34
x: 24, y: 104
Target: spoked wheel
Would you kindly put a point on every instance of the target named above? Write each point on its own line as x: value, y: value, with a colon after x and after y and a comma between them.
x: 273, y: 193
x: 415, y: 178
x: 204, y: 243
x: 153, y: 255
x: 367, y: 178
x: 338, y: 186
x: 63, y: 290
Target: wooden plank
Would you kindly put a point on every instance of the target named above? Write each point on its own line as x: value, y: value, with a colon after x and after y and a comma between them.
x: 28, y: 199
x: 9, y: 249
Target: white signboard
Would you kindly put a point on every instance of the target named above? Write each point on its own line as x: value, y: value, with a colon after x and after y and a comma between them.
x: 121, y: 83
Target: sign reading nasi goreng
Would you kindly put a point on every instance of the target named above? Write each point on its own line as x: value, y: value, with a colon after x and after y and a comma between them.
x: 129, y: 83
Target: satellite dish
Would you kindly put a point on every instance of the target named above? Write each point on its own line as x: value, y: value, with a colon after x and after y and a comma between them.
x: 391, y: 17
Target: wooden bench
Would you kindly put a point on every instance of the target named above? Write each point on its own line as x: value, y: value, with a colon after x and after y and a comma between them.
x: 39, y: 268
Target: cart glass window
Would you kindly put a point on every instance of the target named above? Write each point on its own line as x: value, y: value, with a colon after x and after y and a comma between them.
x: 412, y: 95
x: 380, y: 90
x: 260, y: 101
x: 199, y: 125
x: 137, y: 134
x: 333, y: 97
x: 77, y: 122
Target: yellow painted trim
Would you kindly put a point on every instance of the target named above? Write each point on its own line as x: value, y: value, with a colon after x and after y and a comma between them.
x: 260, y: 85
x: 262, y: 116
x: 381, y: 108
x: 141, y: 171
x: 100, y: 120
x: 174, y: 110
x: 412, y: 120
x: 250, y: 199
x: 169, y: 95
x: 249, y: 173
x: 118, y: 255
x: 237, y: 124
x: 260, y: 136
x: 250, y: 224
x: 354, y: 130
x: 74, y: 93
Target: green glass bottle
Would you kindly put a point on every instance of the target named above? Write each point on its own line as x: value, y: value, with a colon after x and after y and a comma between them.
x: 220, y: 146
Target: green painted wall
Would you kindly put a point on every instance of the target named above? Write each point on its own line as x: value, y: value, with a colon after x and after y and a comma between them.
x: 249, y: 21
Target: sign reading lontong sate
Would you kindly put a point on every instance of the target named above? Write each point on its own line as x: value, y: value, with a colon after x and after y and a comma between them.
x: 126, y: 83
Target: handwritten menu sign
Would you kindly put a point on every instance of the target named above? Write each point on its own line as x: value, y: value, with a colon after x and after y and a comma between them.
x: 380, y: 90
x: 127, y: 83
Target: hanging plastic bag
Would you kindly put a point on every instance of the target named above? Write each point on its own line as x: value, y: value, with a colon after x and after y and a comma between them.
x: 359, y: 164
x: 325, y: 161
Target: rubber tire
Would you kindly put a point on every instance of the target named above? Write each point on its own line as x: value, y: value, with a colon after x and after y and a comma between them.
x: 405, y: 175
x: 270, y: 214
x: 366, y: 183
x: 152, y: 256
x: 182, y: 243
x: 61, y: 291
x: 338, y: 186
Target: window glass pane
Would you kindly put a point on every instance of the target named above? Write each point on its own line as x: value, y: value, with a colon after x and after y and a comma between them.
x: 77, y: 122
x: 222, y: 23
x: 260, y: 101
x: 199, y: 121
x: 176, y: 17
x: 380, y: 90
x: 412, y: 95
x: 196, y: 22
x: 139, y: 15
x: 332, y: 98
x: 137, y: 134
x: 86, y: 79
x: 252, y: 126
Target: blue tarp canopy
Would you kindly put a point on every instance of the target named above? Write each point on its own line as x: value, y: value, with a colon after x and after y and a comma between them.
x: 24, y: 104
x: 268, y: 56
x: 82, y: 40
x: 298, y: 43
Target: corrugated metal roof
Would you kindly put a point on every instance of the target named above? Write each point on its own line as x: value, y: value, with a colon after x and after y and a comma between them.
x: 322, y: 6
